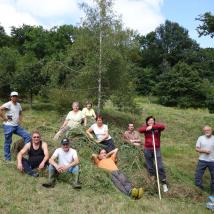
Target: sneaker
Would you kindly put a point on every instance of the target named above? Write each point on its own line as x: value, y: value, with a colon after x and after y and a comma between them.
x: 140, y: 193
x: 165, y: 188
x: 134, y: 193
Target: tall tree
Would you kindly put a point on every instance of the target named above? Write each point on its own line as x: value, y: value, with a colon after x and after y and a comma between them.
x: 100, y: 53
x: 28, y: 77
x: 8, y: 67
x: 167, y: 45
x: 207, y: 25
x: 182, y: 86
x: 5, y: 40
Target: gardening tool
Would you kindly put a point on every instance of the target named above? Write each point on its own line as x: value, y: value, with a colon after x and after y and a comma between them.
x: 156, y: 164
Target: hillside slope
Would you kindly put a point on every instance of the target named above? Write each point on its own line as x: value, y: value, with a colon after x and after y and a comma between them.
x: 23, y: 194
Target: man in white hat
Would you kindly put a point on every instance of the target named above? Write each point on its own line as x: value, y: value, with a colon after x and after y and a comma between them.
x: 64, y: 159
x: 11, y: 112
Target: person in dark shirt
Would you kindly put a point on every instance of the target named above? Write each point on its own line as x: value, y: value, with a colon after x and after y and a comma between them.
x: 37, y: 155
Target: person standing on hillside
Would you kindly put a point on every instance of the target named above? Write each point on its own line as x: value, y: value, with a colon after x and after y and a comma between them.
x: 11, y: 113
x: 37, y: 152
x: 205, y: 148
x: 156, y: 128
x: 132, y: 136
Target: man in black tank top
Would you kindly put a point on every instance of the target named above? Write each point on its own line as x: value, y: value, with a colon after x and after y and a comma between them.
x: 37, y: 152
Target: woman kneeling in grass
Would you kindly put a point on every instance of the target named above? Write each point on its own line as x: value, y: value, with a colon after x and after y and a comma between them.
x: 106, y: 161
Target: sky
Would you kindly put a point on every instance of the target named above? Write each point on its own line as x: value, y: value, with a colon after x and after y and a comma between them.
x: 140, y: 15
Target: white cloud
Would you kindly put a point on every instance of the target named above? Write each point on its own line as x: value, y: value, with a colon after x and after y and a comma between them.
x: 141, y: 15
x: 48, y: 8
x: 9, y: 16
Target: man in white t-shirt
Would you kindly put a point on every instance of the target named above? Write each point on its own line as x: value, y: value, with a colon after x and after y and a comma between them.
x: 11, y: 113
x: 205, y: 147
x: 67, y: 162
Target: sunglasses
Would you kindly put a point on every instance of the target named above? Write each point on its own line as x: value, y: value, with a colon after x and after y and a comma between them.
x: 65, y: 144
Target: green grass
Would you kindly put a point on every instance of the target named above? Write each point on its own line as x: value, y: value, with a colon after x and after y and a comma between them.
x: 20, y: 193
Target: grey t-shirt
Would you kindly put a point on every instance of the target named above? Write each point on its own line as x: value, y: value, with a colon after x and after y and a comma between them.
x: 204, y: 142
x: 12, y: 112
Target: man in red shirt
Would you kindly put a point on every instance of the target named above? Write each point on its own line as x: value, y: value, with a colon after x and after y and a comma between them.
x: 147, y: 129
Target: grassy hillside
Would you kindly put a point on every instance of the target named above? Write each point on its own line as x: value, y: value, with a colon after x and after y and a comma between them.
x: 23, y: 194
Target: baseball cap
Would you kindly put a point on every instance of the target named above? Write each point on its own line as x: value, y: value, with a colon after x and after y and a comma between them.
x: 14, y: 93
x: 65, y: 141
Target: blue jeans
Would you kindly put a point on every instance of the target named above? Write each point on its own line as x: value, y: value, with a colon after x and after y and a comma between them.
x: 8, y: 132
x: 73, y: 170
x: 200, y: 169
x: 150, y: 158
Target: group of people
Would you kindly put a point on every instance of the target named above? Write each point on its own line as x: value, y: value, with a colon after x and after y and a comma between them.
x: 65, y: 158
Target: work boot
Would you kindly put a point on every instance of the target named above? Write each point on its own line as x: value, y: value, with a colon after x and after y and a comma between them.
x: 51, y: 180
x: 76, y: 183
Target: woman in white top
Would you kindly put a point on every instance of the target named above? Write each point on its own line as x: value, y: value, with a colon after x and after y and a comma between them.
x: 89, y: 113
x: 73, y: 120
x: 101, y: 132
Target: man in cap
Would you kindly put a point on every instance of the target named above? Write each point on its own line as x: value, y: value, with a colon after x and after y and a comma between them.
x: 67, y: 162
x: 11, y: 113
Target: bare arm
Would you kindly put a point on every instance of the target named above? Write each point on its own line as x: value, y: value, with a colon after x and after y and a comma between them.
x: 85, y: 121
x: 74, y: 163
x: 45, y: 150
x: 20, y: 156
x: 94, y: 158
x: 113, y: 152
x: 20, y: 116
x: 206, y: 151
x: 88, y: 132
x: 53, y: 162
x: 65, y: 123
x: 93, y: 114
x: 2, y: 113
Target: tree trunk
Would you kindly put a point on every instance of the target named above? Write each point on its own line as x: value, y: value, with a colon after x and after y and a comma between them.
x: 100, y: 71
x: 31, y: 98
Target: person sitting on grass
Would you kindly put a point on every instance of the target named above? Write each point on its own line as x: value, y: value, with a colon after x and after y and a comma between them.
x: 205, y: 148
x: 68, y: 161
x: 106, y: 161
x: 37, y: 151
x: 132, y: 136
x: 101, y: 132
x: 89, y: 113
x: 73, y: 120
